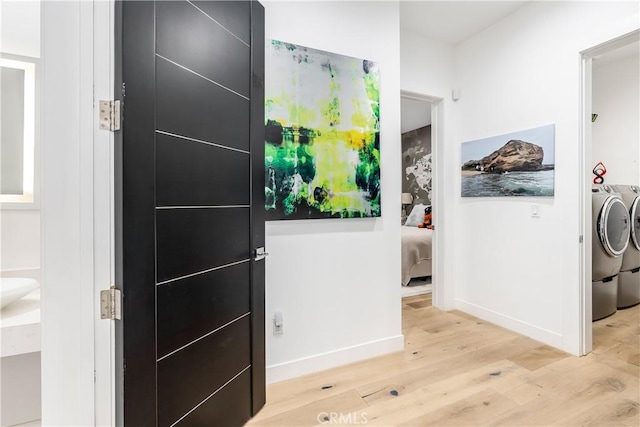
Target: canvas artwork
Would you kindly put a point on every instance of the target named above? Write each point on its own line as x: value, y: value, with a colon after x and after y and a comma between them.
x: 322, y: 150
x: 515, y: 164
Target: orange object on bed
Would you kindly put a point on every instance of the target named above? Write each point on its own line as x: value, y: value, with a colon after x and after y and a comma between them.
x: 428, y: 217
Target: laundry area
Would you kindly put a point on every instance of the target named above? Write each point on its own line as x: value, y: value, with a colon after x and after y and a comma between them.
x: 616, y: 181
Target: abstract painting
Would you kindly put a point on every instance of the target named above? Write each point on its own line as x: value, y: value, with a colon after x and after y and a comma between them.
x: 322, y: 148
x: 515, y: 164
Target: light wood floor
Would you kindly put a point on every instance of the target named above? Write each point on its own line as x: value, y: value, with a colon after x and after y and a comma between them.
x: 458, y: 370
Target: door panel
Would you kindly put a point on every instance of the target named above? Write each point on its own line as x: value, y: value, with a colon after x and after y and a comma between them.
x: 195, y: 240
x: 185, y: 108
x: 192, y: 173
x: 187, y: 377
x: 190, y: 201
x: 232, y: 397
x: 184, y: 306
x: 190, y: 38
x: 231, y: 14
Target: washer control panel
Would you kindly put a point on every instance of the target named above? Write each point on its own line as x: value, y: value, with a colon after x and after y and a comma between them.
x: 601, y: 189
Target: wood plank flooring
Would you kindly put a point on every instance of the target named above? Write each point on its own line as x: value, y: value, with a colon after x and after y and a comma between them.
x: 459, y: 370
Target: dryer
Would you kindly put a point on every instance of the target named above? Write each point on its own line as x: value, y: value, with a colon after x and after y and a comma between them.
x: 611, y: 225
x: 629, y: 277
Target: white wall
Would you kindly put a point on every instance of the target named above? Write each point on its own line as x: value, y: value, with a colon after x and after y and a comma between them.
x: 523, y: 72
x: 337, y: 282
x: 427, y: 68
x: 616, y: 132
x: 20, y: 27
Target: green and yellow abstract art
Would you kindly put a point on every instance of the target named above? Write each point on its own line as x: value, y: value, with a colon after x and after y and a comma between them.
x: 322, y: 154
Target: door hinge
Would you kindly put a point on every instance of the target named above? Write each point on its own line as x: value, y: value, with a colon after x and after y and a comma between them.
x: 110, y: 115
x: 111, y: 304
x: 581, y: 238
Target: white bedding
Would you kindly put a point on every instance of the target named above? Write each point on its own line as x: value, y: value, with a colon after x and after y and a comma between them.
x: 416, y: 249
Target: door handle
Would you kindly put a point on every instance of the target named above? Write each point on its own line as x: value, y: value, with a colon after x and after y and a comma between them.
x: 260, y: 254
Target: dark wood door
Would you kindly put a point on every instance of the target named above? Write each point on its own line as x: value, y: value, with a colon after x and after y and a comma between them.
x: 189, y: 212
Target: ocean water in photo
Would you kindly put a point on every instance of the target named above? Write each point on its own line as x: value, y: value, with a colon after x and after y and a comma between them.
x: 509, y: 184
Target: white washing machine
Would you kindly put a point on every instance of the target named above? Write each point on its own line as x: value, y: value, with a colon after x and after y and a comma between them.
x: 611, y: 226
x: 629, y: 277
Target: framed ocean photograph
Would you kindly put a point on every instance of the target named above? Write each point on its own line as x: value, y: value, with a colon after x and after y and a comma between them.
x: 322, y: 148
x: 514, y: 164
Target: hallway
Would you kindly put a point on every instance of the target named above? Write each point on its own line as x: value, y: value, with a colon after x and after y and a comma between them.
x: 458, y: 370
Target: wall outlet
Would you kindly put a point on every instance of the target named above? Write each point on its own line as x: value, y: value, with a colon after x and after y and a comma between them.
x: 278, y: 323
x: 535, y: 211
x: 278, y: 329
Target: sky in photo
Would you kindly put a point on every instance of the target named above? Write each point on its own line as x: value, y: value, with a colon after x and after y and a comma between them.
x: 543, y: 136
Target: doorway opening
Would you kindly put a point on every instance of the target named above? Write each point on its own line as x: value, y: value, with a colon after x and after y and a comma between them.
x: 416, y: 213
x: 21, y: 214
x: 421, y: 134
x: 601, y: 114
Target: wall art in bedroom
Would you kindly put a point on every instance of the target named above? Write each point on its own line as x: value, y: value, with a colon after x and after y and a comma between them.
x: 322, y: 148
x: 515, y: 164
x: 417, y: 164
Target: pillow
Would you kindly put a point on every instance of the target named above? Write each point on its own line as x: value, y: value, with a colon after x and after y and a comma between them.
x: 416, y: 217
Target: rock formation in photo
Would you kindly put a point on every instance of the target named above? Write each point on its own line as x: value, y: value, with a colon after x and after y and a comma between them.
x: 515, y: 155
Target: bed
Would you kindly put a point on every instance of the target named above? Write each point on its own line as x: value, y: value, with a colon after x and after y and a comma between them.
x: 416, y: 253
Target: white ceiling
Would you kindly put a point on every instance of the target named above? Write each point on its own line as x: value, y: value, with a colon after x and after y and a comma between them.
x: 453, y: 21
x: 450, y: 22
x: 414, y: 114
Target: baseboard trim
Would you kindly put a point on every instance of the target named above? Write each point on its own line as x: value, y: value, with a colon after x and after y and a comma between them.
x: 548, y: 337
x: 319, y: 362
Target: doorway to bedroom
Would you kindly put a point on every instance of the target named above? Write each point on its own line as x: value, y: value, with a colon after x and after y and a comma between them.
x: 417, y: 222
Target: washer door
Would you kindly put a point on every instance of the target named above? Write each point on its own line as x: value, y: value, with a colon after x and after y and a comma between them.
x: 635, y: 218
x: 613, y: 226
